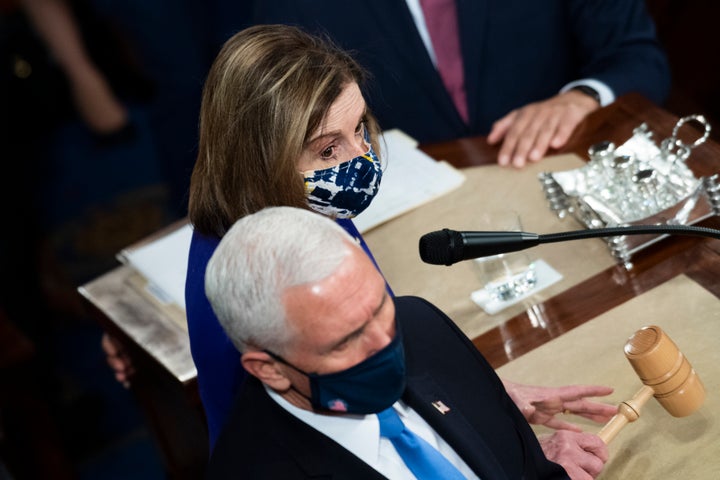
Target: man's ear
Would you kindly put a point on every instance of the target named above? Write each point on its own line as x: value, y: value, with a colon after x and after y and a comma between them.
x: 266, y: 369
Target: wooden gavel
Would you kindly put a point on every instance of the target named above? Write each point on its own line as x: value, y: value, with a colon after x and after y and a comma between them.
x: 666, y: 374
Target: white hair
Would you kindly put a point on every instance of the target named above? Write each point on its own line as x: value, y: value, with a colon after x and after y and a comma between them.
x: 260, y: 257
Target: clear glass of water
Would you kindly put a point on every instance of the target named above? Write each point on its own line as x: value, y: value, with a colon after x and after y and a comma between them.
x: 508, y: 275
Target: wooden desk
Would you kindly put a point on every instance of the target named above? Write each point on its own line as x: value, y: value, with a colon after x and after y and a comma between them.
x: 155, y: 341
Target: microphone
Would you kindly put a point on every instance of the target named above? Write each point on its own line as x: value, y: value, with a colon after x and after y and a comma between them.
x: 446, y: 247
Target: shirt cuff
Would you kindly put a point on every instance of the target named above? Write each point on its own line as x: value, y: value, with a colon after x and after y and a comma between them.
x: 606, y: 94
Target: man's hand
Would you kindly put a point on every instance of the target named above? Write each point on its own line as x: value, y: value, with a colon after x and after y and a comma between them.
x: 582, y: 455
x: 528, y: 132
x: 540, y: 405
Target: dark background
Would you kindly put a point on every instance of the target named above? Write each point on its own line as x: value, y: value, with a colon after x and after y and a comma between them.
x: 70, y: 200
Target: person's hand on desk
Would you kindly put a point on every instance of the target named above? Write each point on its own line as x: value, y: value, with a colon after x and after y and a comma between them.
x: 118, y: 359
x: 528, y: 132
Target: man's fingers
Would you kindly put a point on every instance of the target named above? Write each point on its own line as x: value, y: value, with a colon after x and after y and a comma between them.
x: 558, y: 424
x: 500, y: 128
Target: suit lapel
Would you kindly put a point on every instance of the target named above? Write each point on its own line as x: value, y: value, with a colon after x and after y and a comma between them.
x: 421, y: 393
x: 394, y: 21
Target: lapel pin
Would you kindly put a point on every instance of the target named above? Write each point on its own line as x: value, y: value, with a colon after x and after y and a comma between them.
x: 440, y: 407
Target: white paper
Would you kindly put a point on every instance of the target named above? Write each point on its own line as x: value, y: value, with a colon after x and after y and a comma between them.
x: 164, y: 264
x: 411, y: 178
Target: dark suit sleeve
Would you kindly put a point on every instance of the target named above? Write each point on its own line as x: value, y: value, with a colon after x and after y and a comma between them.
x: 617, y: 44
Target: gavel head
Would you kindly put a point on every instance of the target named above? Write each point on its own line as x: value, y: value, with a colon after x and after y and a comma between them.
x: 662, y: 366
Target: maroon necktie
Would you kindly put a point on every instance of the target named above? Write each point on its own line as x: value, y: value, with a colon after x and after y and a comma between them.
x: 441, y: 22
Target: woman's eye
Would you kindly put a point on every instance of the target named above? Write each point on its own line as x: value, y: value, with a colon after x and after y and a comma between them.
x: 327, y: 153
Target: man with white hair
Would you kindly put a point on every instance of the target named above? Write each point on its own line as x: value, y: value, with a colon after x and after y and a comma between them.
x: 341, y: 373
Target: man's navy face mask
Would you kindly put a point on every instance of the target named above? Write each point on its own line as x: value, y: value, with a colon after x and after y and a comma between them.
x: 371, y: 386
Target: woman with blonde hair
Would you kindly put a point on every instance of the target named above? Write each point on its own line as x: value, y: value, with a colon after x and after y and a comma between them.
x: 282, y: 122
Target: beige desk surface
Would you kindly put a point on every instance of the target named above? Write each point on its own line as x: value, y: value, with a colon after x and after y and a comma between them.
x: 657, y: 445
x: 395, y: 244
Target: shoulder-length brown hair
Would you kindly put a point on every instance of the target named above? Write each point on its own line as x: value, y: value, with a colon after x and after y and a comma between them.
x: 267, y: 91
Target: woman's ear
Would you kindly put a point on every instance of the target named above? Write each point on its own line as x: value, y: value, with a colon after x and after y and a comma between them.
x: 266, y: 369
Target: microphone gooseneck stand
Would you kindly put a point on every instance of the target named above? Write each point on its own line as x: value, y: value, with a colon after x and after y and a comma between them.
x: 446, y: 247
x: 687, y: 230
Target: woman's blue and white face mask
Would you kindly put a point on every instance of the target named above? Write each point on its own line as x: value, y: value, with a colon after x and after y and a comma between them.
x: 345, y: 190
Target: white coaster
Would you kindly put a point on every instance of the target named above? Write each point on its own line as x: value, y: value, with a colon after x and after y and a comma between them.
x: 546, y: 276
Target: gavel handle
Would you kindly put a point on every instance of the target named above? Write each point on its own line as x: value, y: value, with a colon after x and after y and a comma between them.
x: 629, y: 411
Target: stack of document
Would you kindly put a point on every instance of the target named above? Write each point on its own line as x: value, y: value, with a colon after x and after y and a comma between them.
x: 411, y: 178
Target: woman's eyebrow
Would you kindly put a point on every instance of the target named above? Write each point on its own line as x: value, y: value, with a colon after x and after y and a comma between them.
x: 323, y: 136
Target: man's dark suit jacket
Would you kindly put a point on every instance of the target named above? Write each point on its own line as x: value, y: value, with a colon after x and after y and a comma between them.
x: 515, y: 52
x: 263, y: 441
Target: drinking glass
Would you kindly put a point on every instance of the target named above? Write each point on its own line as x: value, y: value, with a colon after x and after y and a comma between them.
x: 508, y: 275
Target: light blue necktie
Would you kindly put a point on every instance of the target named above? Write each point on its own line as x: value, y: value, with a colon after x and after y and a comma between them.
x: 424, y: 461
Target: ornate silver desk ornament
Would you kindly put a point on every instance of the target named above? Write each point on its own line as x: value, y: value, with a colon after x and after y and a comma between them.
x: 637, y: 183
